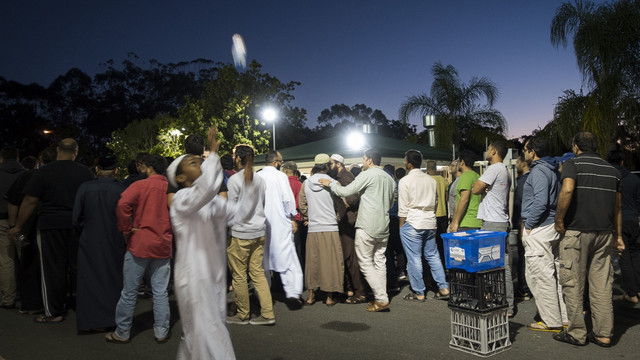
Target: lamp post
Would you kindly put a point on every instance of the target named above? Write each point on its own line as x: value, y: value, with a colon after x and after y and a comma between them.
x: 270, y: 115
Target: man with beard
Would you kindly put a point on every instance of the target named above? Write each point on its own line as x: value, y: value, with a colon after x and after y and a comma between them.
x: 324, y: 269
x: 347, y: 215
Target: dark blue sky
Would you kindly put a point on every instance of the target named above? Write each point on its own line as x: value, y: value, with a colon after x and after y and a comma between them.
x: 371, y: 52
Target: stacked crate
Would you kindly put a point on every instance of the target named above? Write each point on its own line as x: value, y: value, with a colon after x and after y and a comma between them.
x: 477, y: 300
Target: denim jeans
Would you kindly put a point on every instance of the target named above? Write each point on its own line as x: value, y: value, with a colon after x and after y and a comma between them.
x: 133, y: 271
x: 418, y: 243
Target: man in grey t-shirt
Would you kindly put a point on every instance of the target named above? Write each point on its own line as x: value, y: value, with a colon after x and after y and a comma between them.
x: 495, y: 184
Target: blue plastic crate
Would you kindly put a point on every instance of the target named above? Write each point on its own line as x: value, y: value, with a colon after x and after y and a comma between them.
x: 474, y: 250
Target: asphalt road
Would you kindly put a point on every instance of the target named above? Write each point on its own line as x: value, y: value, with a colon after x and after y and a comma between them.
x: 408, y: 331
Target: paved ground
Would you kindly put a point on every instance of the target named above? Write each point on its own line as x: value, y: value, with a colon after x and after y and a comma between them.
x: 408, y: 331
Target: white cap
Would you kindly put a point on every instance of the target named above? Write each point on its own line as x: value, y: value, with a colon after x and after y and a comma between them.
x: 171, y: 170
x: 338, y: 158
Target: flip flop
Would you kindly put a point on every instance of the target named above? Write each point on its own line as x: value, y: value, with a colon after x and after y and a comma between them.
x: 591, y: 337
x: 541, y: 326
x: 330, y: 304
x: 440, y: 296
x: 356, y: 299
x: 413, y: 297
x: 566, y: 338
x: 627, y: 299
x: 114, y: 339
x: 42, y: 319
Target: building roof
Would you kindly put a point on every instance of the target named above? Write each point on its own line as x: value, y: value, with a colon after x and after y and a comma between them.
x: 392, y: 150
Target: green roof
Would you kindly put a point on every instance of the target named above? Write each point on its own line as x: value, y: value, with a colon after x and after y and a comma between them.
x: 387, y: 147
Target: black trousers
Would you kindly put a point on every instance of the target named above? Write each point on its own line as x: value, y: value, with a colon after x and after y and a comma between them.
x: 396, y: 258
x: 353, y: 278
x: 630, y: 259
x: 29, y: 277
x: 59, y: 260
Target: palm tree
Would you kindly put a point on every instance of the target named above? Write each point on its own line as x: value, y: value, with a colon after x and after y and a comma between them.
x: 606, y: 41
x: 461, y: 117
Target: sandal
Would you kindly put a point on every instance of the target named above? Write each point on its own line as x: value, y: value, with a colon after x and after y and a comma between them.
x: 375, y: 306
x: 541, y: 326
x: 591, y: 337
x: 330, y: 303
x: 441, y: 296
x: 354, y: 299
x: 628, y: 299
x: 115, y: 339
x: 413, y: 297
x: 43, y: 319
x: 566, y: 338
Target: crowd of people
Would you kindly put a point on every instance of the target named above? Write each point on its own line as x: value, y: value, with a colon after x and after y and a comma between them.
x: 81, y: 239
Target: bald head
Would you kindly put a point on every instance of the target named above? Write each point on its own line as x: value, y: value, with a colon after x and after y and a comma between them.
x: 67, y: 149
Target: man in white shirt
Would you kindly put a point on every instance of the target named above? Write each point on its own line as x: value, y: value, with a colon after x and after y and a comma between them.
x: 417, y: 197
x: 495, y: 184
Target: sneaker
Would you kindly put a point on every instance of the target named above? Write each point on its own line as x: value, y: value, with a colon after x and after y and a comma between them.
x: 261, y: 320
x: 293, y: 303
x: 235, y: 319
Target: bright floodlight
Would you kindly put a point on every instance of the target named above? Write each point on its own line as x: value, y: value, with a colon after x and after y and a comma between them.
x: 355, y: 140
x: 269, y: 114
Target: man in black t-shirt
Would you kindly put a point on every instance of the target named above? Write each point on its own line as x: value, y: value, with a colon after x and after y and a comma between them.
x: 588, y: 214
x: 53, y: 189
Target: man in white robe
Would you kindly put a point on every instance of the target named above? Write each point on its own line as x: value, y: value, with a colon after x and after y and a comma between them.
x: 199, y: 219
x: 280, y: 211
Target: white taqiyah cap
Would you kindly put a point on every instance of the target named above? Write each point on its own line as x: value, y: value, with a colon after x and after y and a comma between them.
x: 171, y: 170
x: 338, y: 158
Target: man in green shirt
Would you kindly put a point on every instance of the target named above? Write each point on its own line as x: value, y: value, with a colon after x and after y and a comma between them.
x: 376, y: 190
x: 466, y: 210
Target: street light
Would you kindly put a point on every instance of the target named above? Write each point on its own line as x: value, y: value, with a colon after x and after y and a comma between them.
x: 269, y: 115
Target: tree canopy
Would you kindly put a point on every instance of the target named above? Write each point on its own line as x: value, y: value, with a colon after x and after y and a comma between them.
x: 462, y: 118
x: 606, y: 42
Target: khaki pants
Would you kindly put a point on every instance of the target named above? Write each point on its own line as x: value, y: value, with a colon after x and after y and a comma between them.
x: 7, y: 266
x: 542, y: 265
x: 243, y: 255
x: 587, y: 256
x: 373, y: 263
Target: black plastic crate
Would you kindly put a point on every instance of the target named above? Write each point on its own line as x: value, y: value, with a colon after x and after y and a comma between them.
x: 480, y: 291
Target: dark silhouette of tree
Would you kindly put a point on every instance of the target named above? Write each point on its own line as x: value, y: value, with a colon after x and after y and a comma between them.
x: 461, y: 117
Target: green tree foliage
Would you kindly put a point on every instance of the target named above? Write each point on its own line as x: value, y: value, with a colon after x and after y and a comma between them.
x: 233, y: 101
x: 230, y: 100
x: 462, y: 119
x: 138, y: 136
x: 606, y: 41
x: 341, y: 118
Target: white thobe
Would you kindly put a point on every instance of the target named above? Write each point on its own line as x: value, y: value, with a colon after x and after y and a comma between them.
x: 199, y: 220
x: 280, y: 250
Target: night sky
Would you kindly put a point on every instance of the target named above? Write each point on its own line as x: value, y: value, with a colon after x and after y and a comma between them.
x: 371, y: 52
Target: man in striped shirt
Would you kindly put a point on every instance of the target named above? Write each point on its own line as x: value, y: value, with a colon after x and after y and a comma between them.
x: 588, y: 214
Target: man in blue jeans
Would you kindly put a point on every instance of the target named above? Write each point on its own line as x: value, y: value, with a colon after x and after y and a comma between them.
x: 143, y: 217
x: 417, y: 197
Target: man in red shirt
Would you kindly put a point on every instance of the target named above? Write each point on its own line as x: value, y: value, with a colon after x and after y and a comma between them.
x: 143, y: 218
x: 299, y: 237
